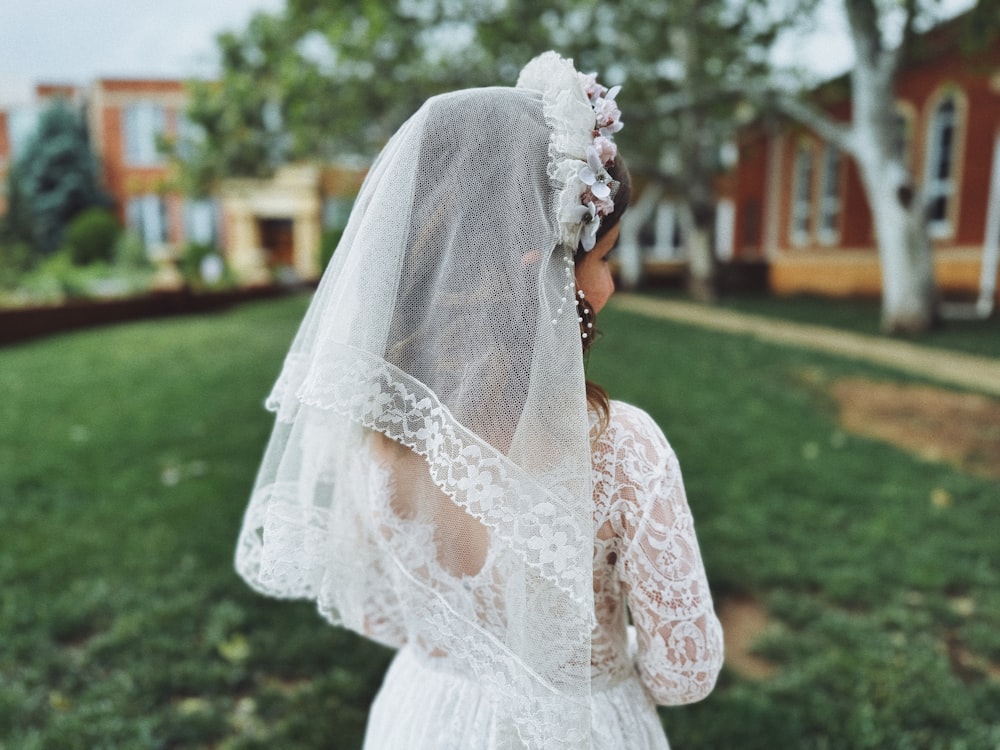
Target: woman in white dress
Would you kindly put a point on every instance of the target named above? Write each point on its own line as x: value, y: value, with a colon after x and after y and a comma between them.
x: 442, y: 479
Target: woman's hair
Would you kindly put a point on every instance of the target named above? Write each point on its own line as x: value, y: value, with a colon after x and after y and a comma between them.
x: 597, y: 397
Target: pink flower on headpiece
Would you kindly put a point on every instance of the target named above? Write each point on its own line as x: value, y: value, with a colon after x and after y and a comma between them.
x: 604, y: 205
x: 590, y: 85
x: 606, y: 149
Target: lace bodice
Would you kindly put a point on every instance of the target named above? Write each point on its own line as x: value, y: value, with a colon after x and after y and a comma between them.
x: 646, y: 555
x: 646, y: 563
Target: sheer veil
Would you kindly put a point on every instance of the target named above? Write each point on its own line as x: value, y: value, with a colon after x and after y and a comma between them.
x: 427, y: 481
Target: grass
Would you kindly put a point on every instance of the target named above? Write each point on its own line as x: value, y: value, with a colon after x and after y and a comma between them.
x: 981, y: 337
x: 126, y: 455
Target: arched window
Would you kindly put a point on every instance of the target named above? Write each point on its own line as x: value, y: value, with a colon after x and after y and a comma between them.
x: 940, y: 173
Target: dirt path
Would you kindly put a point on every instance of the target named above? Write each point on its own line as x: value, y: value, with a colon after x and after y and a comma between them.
x: 965, y: 370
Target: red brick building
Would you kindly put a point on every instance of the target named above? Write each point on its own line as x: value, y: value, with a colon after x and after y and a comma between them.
x: 263, y: 227
x: 128, y: 121
x: 799, y: 203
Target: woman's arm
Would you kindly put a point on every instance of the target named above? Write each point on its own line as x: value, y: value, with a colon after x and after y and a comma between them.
x: 679, y: 637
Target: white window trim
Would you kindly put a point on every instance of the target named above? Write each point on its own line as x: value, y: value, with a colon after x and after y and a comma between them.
x: 801, y: 210
x: 828, y: 207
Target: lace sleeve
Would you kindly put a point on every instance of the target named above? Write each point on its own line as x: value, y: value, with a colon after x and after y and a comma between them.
x: 679, y: 637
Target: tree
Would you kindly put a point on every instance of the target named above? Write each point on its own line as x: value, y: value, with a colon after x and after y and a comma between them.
x: 685, y: 66
x: 322, y: 80
x: 54, y: 179
x: 884, y: 33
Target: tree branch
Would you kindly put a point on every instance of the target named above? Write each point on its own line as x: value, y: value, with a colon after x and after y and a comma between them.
x: 895, y: 57
x: 815, y: 119
x: 866, y: 35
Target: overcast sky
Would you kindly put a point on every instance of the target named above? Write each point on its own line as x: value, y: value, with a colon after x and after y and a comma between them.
x: 77, y: 41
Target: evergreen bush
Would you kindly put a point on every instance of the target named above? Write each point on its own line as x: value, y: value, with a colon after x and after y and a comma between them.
x: 55, y: 178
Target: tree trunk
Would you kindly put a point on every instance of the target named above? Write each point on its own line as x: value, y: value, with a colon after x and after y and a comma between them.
x: 908, y: 289
x: 629, y: 252
x: 909, y: 302
x: 702, y: 264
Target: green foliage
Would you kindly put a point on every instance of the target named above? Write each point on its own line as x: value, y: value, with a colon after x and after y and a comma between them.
x: 91, y: 236
x: 57, y: 279
x: 194, y: 262
x: 328, y: 244
x: 130, y: 252
x: 321, y: 79
x: 15, y: 261
x: 54, y: 179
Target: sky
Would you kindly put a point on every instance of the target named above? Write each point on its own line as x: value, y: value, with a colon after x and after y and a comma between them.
x: 78, y: 41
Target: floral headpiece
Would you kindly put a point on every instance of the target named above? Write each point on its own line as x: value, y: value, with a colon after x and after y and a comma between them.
x: 584, y: 117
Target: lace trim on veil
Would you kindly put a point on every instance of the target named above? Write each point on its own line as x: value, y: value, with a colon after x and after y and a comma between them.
x: 374, y: 393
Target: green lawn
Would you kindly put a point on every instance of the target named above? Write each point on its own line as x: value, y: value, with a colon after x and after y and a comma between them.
x: 126, y: 455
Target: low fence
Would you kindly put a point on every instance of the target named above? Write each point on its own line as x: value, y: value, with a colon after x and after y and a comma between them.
x: 22, y: 324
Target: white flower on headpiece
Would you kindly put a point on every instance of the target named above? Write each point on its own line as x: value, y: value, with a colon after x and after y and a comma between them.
x: 594, y: 175
x: 587, y: 217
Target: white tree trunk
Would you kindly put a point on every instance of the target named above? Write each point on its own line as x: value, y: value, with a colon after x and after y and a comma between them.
x: 904, y: 247
x: 908, y: 296
x: 701, y: 259
x: 909, y: 299
x: 629, y: 252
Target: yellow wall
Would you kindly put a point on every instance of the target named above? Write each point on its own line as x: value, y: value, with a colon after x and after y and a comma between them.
x: 845, y: 273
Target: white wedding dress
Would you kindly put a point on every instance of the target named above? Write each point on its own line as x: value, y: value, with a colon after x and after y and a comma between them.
x: 646, y: 563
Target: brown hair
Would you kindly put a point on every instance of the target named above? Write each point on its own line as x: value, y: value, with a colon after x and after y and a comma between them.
x: 597, y: 397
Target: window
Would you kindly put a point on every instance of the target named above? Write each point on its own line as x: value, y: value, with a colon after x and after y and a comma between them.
x: 199, y: 222
x: 725, y: 227
x: 147, y: 217
x: 828, y: 221
x: 144, y: 123
x: 802, y: 177
x: 939, y: 182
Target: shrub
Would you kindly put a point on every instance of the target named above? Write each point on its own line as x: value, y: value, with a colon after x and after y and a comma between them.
x: 130, y: 252
x: 203, y: 267
x: 91, y: 236
x: 15, y: 262
x: 329, y: 242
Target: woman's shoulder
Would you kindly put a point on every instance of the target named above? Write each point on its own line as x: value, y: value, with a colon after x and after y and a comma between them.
x: 625, y: 417
x: 632, y: 430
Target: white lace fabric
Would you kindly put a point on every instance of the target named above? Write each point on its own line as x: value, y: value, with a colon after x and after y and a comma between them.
x: 646, y: 554
x: 428, y: 479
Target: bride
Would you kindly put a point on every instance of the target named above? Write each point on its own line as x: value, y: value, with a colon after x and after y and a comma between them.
x: 442, y: 478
